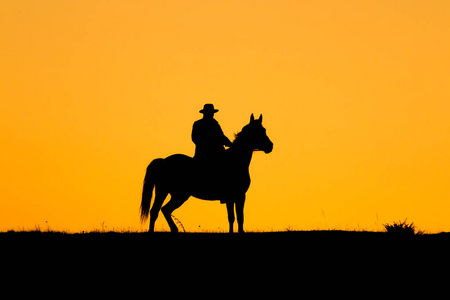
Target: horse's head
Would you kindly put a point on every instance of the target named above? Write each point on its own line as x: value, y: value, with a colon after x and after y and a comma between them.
x: 255, y: 135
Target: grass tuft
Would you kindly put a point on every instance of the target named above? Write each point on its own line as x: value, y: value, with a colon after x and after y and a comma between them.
x: 402, y: 228
x: 178, y: 222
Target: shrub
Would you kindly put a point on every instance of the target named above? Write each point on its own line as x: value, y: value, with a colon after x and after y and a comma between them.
x: 402, y: 228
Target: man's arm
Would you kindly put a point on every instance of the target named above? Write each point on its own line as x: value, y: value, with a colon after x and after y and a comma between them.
x: 225, y: 141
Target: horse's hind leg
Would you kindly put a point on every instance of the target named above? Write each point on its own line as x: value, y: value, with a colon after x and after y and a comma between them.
x: 175, y: 202
x: 160, y: 196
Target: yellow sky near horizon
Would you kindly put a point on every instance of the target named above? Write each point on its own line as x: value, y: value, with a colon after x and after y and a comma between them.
x: 355, y: 96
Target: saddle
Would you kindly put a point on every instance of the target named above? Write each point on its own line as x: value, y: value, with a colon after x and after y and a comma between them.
x: 211, y: 177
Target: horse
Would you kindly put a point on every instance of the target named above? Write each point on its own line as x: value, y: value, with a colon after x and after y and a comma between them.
x: 227, y: 179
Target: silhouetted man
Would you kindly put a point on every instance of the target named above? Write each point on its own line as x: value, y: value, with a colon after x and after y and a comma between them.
x: 208, y: 136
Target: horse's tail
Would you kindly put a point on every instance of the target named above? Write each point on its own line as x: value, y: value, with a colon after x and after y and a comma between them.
x: 149, y: 184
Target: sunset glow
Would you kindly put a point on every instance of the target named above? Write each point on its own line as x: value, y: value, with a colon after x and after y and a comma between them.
x: 355, y: 97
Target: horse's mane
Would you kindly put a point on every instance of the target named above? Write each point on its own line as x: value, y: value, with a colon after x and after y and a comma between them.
x: 236, y: 135
x: 239, y: 135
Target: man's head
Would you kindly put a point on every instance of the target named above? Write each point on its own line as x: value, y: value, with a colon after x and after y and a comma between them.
x: 208, y: 111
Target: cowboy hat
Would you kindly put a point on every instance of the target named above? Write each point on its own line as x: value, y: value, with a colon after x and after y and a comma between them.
x: 208, y: 108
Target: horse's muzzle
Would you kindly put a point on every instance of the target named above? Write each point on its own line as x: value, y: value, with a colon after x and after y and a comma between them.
x: 269, y: 148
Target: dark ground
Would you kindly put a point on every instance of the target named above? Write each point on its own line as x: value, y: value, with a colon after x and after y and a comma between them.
x: 295, y: 260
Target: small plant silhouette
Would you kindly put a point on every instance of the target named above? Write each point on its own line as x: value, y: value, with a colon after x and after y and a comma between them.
x: 402, y: 228
x: 178, y: 222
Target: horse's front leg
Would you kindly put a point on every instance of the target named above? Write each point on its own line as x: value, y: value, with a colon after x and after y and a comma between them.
x: 240, y: 213
x: 230, y: 210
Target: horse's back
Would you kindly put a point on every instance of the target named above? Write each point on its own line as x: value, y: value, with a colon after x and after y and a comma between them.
x: 179, y: 161
x: 178, y: 157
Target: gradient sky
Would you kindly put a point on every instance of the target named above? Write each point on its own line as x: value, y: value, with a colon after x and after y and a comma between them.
x: 355, y: 96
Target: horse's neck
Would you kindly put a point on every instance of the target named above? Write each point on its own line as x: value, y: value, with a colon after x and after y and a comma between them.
x: 241, y: 155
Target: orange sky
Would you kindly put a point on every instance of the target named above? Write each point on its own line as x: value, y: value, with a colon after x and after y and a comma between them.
x: 355, y: 96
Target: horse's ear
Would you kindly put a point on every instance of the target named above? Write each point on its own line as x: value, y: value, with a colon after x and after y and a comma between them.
x: 252, y: 118
x: 260, y: 119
